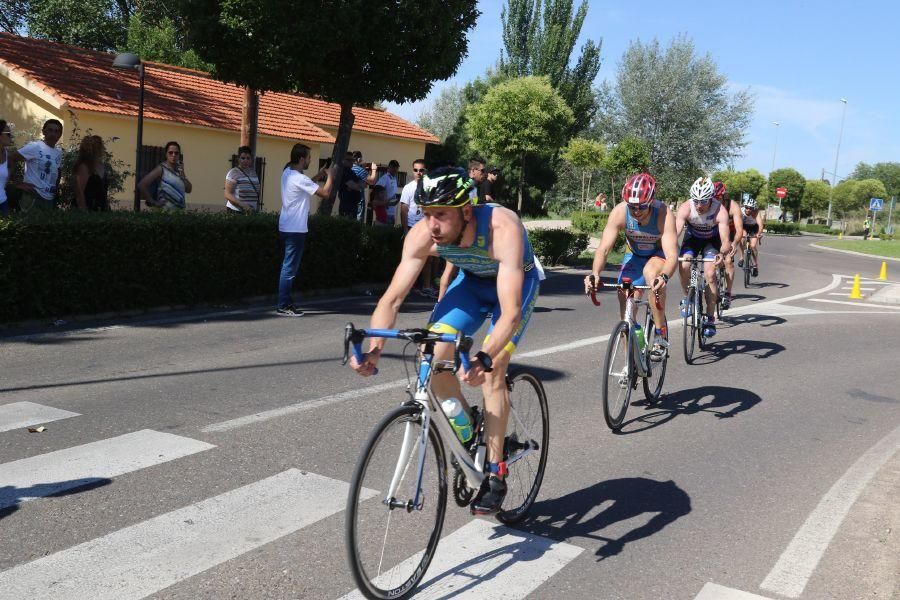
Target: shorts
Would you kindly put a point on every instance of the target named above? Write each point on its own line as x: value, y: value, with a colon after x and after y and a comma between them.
x: 692, y: 246
x: 468, y: 301
x: 633, y: 267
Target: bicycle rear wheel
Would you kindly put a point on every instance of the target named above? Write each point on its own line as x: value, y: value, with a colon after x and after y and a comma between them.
x: 699, y: 314
x: 747, y: 255
x: 653, y: 383
x: 618, y: 377
x: 527, y: 439
x: 390, y: 542
x: 690, y: 329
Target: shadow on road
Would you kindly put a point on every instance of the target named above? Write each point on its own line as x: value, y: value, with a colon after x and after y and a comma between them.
x: 748, y: 319
x: 750, y: 297
x: 864, y: 395
x: 596, y: 512
x: 768, y: 284
x: 716, y: 351
x: 11, y: 497
x: 541, y: 373
x: 723, y: 402
x: 543, y: 309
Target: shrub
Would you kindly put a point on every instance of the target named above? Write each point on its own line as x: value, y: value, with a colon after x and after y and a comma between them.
x: 783, y: 228
x: 555, y: 246
x: 815, y: 228
x: 885, y: 236
x: 590, y: 222
x: 63, y: 263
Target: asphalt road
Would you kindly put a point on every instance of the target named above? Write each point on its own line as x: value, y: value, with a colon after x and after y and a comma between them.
x: 207, y: 456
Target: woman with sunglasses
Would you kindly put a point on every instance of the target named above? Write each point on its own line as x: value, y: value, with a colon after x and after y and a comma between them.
x: 172, y: 185
x: 706, y: 221
x: 652, y: 249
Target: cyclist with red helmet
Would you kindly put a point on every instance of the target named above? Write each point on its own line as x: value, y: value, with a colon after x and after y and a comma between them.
x: 652, y: 248
x: 735, y: 232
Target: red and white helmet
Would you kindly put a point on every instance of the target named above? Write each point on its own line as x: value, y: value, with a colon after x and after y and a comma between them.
x: 719, y: 190
x: 638, y: 190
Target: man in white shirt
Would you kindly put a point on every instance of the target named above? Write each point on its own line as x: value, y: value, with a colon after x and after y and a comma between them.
x: 410, y: 214
x: 42, y: 160
x: 389, y: 182
x: 296, y: 192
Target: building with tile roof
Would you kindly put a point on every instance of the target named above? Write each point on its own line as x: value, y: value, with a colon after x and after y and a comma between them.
x: 41, y: 80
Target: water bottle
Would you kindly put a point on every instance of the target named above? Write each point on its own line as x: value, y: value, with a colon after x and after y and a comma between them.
x: 459, y: 419
x: 640, y: 336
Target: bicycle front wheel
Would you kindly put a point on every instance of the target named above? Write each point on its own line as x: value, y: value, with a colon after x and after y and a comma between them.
x: 690, y: 329
x: 618, y: 377
x: 747, y: 255
x: 527, y: 438
x: 391, y: 539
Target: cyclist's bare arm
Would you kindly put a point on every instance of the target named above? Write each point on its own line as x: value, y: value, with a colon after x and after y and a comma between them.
x: 614, y: 225
x: 738, y: 221
x: 446, y: 279
x: 722, y: 221
x: 669, y: 242
x: 761, y: 222
x: 681, y: 217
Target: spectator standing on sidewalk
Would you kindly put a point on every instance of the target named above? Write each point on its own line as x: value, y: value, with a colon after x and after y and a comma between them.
x: 367, y: 177
x: 487, y: 190
x: 5, y: 144
x: 477, y: 172
x: 410, y: 214
x: 391, y: 194
x: 91, y: 181
x: 242, y: 185
x: 42, y: 160
x: 352, y: 186
x: 172, y: 185
x: 296, y: 192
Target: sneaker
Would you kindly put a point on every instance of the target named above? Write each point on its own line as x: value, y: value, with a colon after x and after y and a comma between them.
x: 490, y: 497
x: 755, y: 272
x: 741, y: 263
x: 686, y: 307
x: 726, y: 302
x: 289, y: 311
x: 659, y: 350
x: 709, y: 327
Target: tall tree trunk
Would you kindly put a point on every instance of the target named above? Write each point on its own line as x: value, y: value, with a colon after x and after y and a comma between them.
x: 250, y: 119
x: 521, y: 181
x: 587, y: 195
x: 341, y: 143
x: 582, y: 190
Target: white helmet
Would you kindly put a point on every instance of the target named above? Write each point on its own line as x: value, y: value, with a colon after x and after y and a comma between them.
x: 749, y: 203
x: 702, y: 191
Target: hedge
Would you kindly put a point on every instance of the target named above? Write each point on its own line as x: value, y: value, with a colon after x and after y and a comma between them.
x: 590, y: 222
x: 64, y: 263
x: 555, y: 246
x: 815, y: 228
x: 783, y: 228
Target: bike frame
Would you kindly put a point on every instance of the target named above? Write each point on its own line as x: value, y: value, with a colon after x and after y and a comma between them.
x: 631, y: 303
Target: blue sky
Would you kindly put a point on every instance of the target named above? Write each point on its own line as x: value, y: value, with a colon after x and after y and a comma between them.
x: 798, y: 58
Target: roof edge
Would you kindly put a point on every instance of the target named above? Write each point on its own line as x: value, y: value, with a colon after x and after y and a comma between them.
x: 45, y: 93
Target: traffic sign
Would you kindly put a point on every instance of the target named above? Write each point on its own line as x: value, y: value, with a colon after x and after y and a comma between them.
x: 876, y: 204
x: 781, y: 192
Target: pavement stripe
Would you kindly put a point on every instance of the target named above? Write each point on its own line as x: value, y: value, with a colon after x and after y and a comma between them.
x: 24, y: 414
x: 866, y: 304
x: 712, y: 591
x: 863, y: 254
x: 795, y: 566
x: 301, y: 406
x: 92, y: 463
x: 487, y: 560
x: 150, y: 556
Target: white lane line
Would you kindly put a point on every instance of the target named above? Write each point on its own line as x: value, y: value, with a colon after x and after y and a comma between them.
x: 150, y: 556
x: 795, y: 566
x: 486, y: 560
x: 301, y: 406
x: 24, y: 414
x: 863, y: 254
x: 863, y: 289
x: 564, y: 347
x: 54, y: 472
x: 866, y: 304
x: 712, y: 591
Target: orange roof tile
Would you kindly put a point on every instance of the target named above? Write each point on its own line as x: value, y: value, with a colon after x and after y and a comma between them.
x: 86, y: 80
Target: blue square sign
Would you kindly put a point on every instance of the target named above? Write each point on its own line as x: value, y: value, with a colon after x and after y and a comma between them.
x: 876, y: 204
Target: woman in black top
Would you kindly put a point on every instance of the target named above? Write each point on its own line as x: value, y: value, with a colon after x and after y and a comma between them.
x: 91, y: 183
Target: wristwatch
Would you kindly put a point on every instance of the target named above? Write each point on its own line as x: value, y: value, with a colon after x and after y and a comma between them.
x: 664, y: 277
x: 485, y: 359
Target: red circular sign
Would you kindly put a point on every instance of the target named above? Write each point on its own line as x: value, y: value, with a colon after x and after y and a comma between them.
x: 781, y: 192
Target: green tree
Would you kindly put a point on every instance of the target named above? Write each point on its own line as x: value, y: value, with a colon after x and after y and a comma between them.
x: 629, y: 156
x: 586, y: 155
x: 886, y: 172
x: 815, y: 197
x: 351, y: 53
x: 444, y: 113
x: 539, y: 38
x: 94, y: 24
x: 680, y: 105
x: 12, y: 15
x: 517, y: 118
x: 793, y: 181
x: 161, y: 42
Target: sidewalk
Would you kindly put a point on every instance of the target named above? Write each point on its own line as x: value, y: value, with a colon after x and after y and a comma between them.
x: 889, y: 294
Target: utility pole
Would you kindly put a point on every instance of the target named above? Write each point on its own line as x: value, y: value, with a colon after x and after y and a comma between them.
x: 836, y: 155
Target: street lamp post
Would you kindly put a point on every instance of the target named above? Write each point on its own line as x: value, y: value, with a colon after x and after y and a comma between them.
x: 775, y: 150
x: 127, y: 60
x: 837, y: 153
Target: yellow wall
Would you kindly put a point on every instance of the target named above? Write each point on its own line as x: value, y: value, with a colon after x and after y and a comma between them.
x: 207, y: 152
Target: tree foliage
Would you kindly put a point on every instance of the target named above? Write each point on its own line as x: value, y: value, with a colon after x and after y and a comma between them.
x: 93, y: 24
x: 680, y: 105
x: 517, y: 118
x: 738, y: 183
x: 853, y: 195
x: 539, y: 37
x: 353, y: 52
x: 815, y: 197
x: 587, y: 156
x: 886, y: 172
x: 790, y: 179
x: 442, y: 117
x: 162, y: 42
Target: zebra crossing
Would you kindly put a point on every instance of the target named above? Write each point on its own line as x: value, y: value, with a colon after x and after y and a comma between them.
x: 479, y: 559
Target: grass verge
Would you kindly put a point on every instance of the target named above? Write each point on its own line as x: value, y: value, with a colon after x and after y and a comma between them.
x: 884, y: 248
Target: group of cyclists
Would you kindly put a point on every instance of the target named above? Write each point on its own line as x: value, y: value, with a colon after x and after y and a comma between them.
x: 493, y: 272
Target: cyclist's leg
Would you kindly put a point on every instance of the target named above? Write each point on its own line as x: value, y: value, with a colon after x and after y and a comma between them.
x: 653, y: 268
x: 729, y: 266
x: 687, y: 250
x: 632, y: 268
x: 754, y: 250
x: 712, y: 296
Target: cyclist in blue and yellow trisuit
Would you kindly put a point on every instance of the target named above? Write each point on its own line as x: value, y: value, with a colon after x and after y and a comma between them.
x: 652, y: 248
x: 497, y: 275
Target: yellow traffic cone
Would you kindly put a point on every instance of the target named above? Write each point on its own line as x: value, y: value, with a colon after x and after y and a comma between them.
x: 883, y: 275
x: 840, y: 235
x: 854, y: 293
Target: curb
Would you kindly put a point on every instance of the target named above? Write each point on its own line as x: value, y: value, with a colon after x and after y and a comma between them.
x: 876, y: 256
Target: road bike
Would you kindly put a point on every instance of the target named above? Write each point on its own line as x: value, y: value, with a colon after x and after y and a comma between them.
x: 748, y: 256
x: 398, y: 493
x: 628, y: 355
x: 696, y: 296
x: 721, y: 288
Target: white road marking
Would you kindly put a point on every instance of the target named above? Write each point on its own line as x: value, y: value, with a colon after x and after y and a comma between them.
x: 487, y: 560
x: 57, y: 471
x: 795, y: 566
x: 25, y: 414
x: 302, y: 406
x: 862, y: 289
x: 150, y: 556
x: 863, y: 254
x: 866, y: 304
x: 712, y: 591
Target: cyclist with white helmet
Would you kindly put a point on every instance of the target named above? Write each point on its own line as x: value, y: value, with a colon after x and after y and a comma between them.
x: 497, y: 275
x: 754, y: 223
x: 706, y: 224
x: 735, y: 233
x: 652, y: 248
